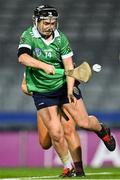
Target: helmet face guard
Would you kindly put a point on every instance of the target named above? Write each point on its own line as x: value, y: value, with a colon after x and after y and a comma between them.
x: 42, y: 13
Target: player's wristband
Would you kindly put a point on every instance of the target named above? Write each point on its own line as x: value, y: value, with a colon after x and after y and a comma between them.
x: 59, y: 71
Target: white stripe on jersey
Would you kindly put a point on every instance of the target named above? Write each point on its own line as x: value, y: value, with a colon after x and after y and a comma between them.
x: 67, y: 55
x: 24, y: 45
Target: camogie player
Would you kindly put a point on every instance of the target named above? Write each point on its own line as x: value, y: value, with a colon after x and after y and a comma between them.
x: 42, y: 49
x: 70, y: 134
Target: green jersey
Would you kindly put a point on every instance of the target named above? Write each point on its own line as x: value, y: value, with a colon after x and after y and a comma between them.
x: 52, y: 53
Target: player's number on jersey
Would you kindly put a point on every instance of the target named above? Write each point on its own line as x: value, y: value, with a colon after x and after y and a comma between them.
x: 48, y: 54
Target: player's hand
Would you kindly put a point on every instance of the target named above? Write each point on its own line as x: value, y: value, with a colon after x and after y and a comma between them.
x: 49, y: 69
x: 72, y: 98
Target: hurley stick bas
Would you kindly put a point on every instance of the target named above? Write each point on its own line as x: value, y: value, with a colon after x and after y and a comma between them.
x: 81, y: 73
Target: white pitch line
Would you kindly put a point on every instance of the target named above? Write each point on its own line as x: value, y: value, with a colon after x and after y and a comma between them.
x: 99, y: 173
x: 43, y: 177
x: 49, y: 177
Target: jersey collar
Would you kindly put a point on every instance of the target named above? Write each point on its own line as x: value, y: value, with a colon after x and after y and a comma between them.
x: 37, y: 34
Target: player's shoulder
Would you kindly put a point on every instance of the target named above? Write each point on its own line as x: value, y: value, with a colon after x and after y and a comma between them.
x: 27, y: 31
x: 61, y: 33
x: 64, y: 38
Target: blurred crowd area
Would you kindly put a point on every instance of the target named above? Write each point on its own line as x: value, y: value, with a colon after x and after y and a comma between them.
x: 93, y: 29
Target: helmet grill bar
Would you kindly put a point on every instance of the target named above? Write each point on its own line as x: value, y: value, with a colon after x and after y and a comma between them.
x: 45, y: 12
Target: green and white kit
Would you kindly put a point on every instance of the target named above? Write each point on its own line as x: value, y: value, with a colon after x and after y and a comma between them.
x: 52, y: 53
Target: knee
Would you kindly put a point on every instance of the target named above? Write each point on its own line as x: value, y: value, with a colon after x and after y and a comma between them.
x: 45, y: 146
x: 45, y: 143
x: 57, y: 135
x: 85, y: 123
x: 68, y: 131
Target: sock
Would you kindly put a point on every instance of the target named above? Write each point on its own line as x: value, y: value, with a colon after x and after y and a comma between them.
x: 102, y: 132
x: 79, y: 167
x: 67, y: 161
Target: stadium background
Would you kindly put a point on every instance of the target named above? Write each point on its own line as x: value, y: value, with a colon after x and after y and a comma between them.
x: 93, y: 28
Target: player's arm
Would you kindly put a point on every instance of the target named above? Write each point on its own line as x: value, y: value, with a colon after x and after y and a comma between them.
x: 68, y: 65
x: 66, y: 55
x: 28, y: 60
x: 25, y: 58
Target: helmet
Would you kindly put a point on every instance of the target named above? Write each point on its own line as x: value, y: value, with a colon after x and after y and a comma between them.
x: 44, y: 12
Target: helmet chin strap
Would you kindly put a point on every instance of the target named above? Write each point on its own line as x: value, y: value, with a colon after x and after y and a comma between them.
x: 36, y: 20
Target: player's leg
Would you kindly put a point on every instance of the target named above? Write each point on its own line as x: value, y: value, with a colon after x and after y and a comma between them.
x: 43, y: 134
x: 52, y: 121
x: 80, y: 115
x: 24, y: 87
x: 74, y: 144
x: 44, y: 137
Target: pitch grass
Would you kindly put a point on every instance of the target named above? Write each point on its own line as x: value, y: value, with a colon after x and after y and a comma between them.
x: 45, y: 173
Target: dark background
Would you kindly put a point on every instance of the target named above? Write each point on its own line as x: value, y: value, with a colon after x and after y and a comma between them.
x: 93, y: 29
